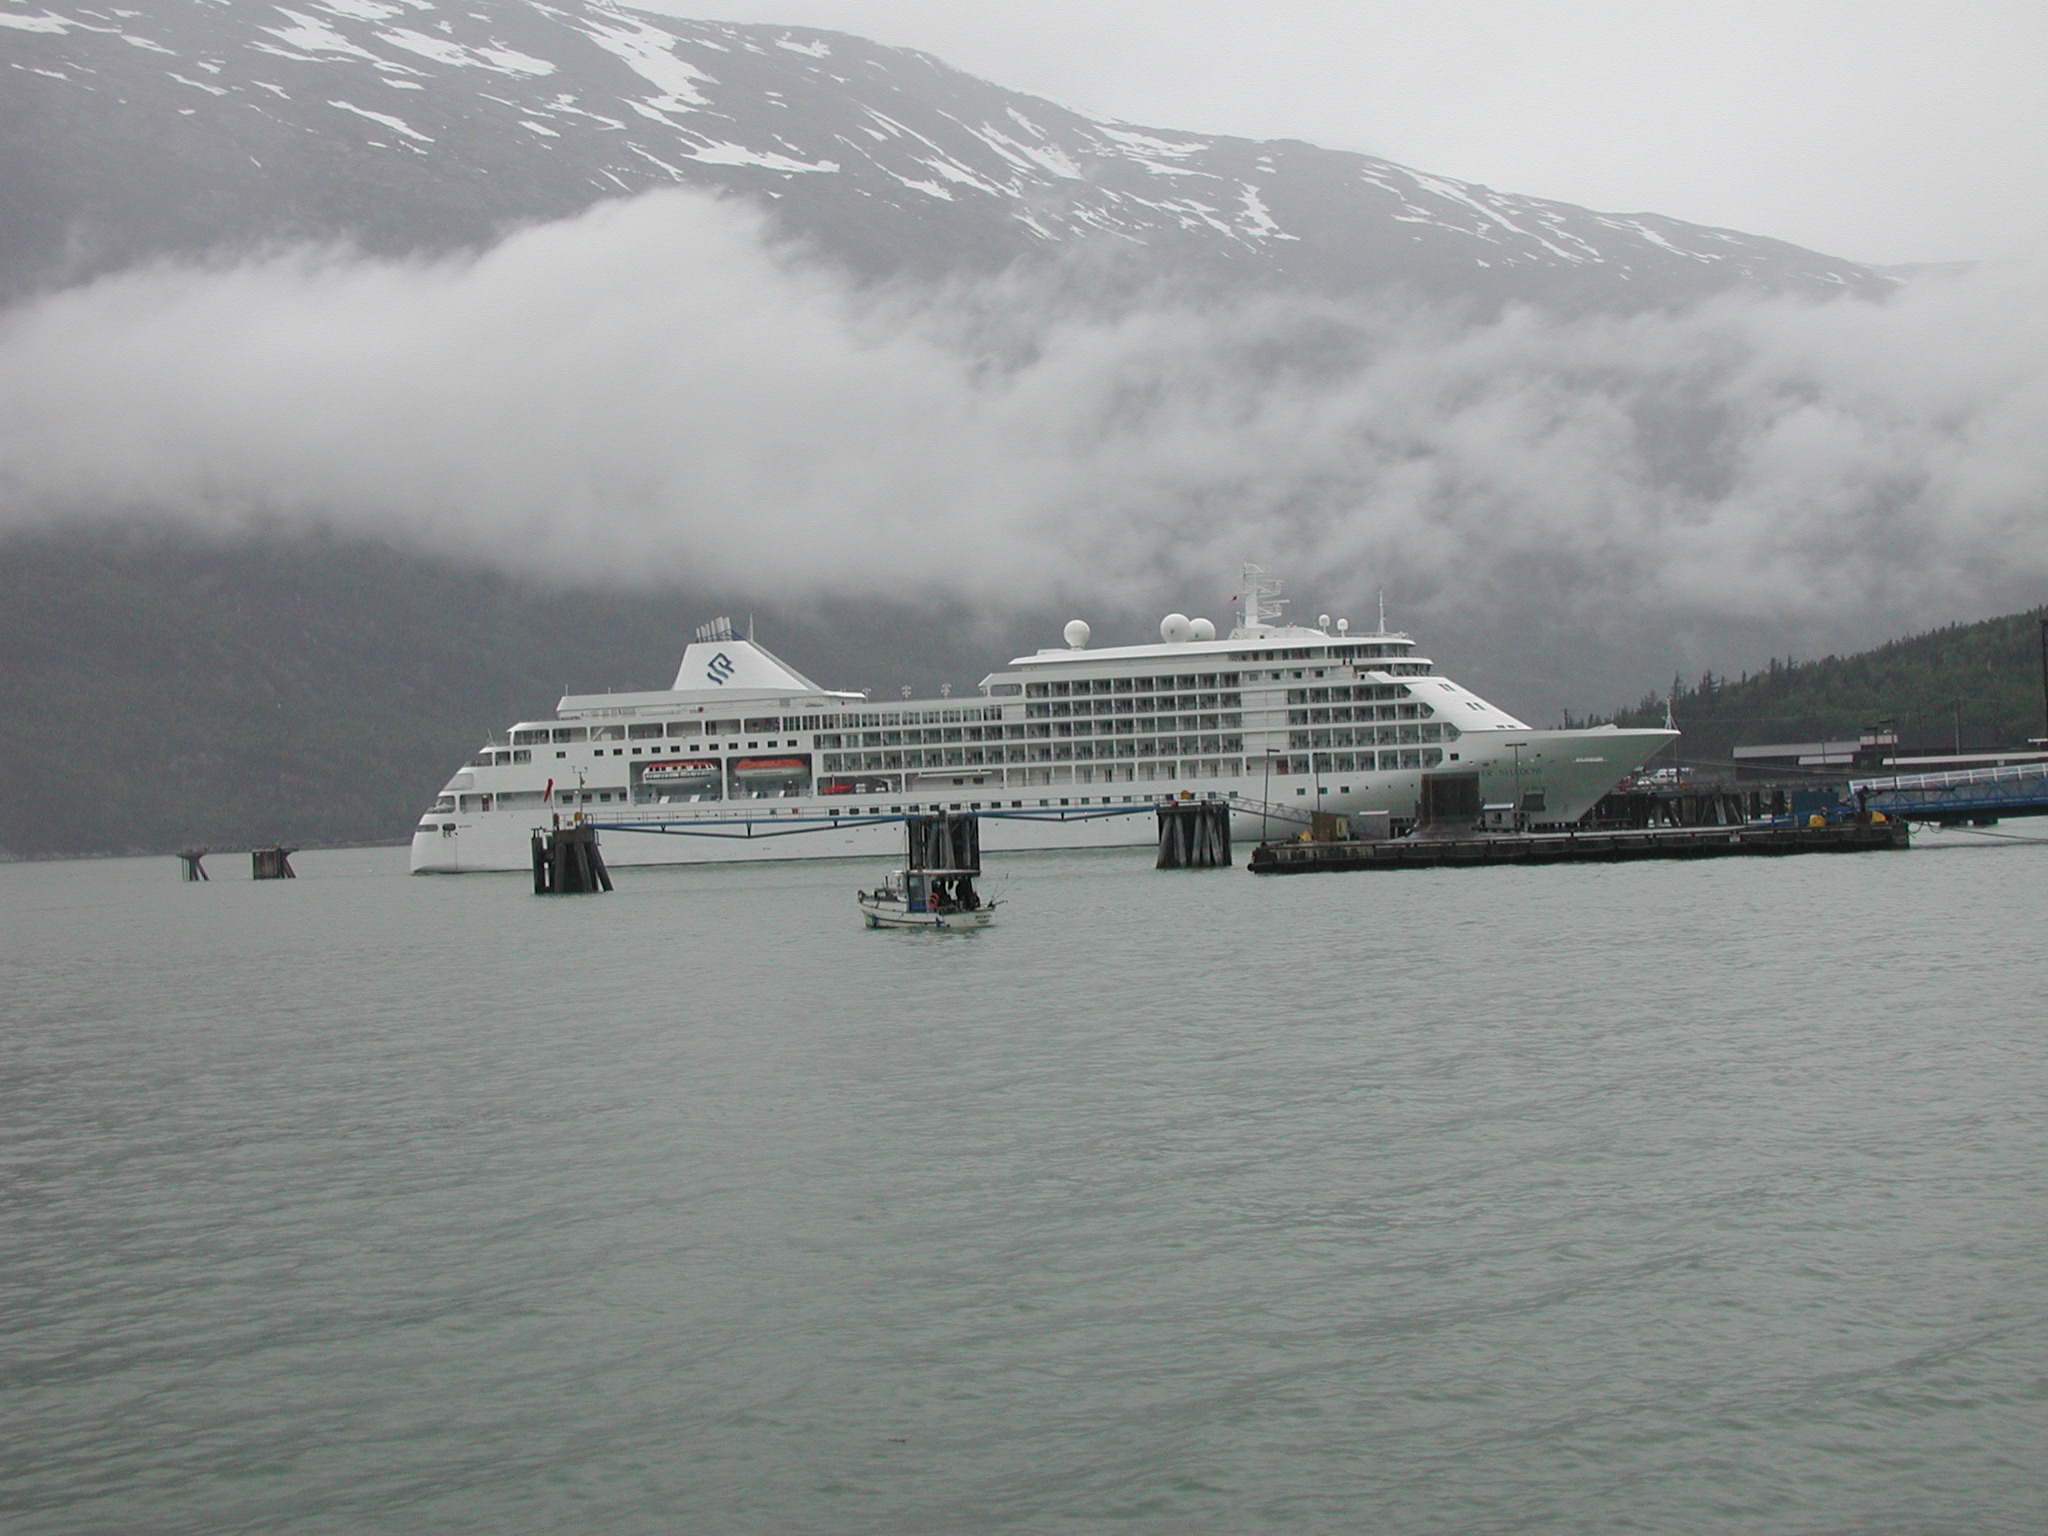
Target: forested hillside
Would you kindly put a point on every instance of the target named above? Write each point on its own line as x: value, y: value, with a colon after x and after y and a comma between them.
x: 158, y: 690
x: 1968, y: 685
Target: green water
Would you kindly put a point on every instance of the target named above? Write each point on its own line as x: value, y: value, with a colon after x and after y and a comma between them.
x: 1670, y: 1198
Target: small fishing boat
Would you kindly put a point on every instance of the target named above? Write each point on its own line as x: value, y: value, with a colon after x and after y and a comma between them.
x: 927, y: 898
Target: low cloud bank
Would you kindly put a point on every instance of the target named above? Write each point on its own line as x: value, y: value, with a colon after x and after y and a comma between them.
x: 652, y: 392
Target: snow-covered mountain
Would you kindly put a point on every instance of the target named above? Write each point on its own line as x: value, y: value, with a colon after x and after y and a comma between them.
x: 198, y: 125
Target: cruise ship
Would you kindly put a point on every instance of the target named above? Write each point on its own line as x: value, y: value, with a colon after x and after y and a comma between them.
x: 745, y: 758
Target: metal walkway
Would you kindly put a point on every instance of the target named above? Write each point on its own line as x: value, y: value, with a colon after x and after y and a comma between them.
x: 1974, y: 794
x: 749, y: 827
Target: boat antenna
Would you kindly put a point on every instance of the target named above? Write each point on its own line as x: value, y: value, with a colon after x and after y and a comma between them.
x: 1383, y: 610
x: 1261, y: 602
x: 750, y: 626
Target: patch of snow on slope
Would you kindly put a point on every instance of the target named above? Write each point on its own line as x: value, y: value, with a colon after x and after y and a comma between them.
x: 441, y: 50
x: 513, y: 62
x: 1143, y: 144
x: 1190, y: 214
x: 313, y: 34
x: 657, y: 160
x: 199, y: 85
x: 1458, y: 192
x: 395, y: 124
x: 1553, y: 221
x: 567, y: 103
x: 816, y: 50
x: 1635, y: 228
x: 1165, y: 168
x: 1035, y: 156
x: 359, y: 10
x: 942, y: 162
x: 1257, y: 215
x: 646, y: 51
x: 959, y: 175
x: 1001, y: 144
x: 49, y: 22
x: 739, y: 154
x: 930, y: 188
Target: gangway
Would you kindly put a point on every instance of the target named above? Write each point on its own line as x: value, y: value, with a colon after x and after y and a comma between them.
x: 750, y: 824
x: 1966, y: 795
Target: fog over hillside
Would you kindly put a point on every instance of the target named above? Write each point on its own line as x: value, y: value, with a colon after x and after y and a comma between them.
x: 1564, y: 488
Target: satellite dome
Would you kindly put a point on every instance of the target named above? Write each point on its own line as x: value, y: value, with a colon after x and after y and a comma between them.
x: 1176, y: 629
x: 1322, y: 621
x: 1077, y: 633
x: 1202, y: 629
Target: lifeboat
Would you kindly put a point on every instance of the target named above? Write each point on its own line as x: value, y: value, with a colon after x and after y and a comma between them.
x: 689, y: 772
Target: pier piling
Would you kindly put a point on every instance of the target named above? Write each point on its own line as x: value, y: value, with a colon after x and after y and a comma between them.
x: 272, y: 863
x: 566, y: 862
x: 1194, y: 834
x: 943, y: 841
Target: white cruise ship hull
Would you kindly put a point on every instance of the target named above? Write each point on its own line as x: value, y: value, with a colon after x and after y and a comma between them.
x: 1573, y: 768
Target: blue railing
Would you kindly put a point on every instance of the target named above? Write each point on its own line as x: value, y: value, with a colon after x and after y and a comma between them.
x: 2021, y: 790
x: 756, y: 826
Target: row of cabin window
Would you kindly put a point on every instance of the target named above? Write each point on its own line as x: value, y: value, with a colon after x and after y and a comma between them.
x: 1360, y: 762
x: 540, y: 736
x: 930, y: 735
x: 1030, y: 752
x: 1372, y: 736
x: 769, y: 724
x: 1348, y: 652
x: 1134, y: 725
x: 1134, y: 705
x: 1340, y: 714
x: 1078, y: 687
x: 896, y: 718
x: 490, y: 759
x: 1349, y: 693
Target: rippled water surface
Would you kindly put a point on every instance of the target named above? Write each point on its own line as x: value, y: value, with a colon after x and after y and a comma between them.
x: 1670, y: 1198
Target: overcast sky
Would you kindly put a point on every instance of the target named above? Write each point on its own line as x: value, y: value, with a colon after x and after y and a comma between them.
x: 1872, y: 129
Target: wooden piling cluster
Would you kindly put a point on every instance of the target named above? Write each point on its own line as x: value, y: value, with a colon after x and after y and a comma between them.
x: 566, y: 862
x: 1194, y: 834
x: 941, y: 840
x: 272, y: 863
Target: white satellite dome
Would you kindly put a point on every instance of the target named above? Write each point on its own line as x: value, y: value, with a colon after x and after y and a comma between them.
x: 1176, y: 629
x: 1077, y: 633
x: 1204, y: 629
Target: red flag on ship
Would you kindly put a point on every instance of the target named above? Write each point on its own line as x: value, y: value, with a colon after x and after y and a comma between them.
x: 549, y: 793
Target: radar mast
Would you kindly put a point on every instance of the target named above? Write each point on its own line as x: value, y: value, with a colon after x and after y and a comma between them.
x: 1259, y: 603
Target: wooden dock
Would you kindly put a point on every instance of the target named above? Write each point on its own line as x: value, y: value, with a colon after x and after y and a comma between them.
x: 1467, y: 850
